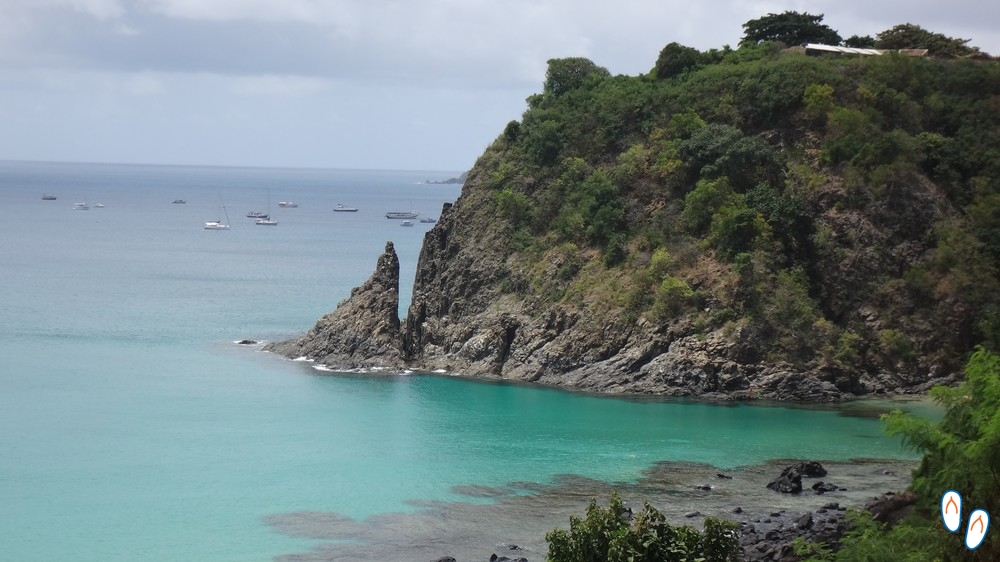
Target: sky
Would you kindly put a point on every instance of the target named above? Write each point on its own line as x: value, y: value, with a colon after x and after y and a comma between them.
x: 362, y: 84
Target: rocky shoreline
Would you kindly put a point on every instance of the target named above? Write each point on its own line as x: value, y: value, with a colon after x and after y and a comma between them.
x: 509, y: 340
x: 511, y: 521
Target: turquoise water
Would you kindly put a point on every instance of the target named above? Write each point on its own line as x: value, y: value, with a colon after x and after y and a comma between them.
x: 133, y: 427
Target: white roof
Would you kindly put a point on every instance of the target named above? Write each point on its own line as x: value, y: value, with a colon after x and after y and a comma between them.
x: 845, y: 50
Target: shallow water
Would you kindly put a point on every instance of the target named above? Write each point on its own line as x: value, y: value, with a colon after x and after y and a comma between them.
x: 134, y: 428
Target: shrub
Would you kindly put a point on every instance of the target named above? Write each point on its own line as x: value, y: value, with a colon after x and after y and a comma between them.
x: 717, y: 151
x: 896, y: 345
x: 962, y: 451
x: 660, y: 263
x: 514, y: 206
x: 703, y: 202
x: 570, y: 73
x: 847, y: 348
x: 675, y: 59
x: 671, y: 296
x: 608, y: 535
x: 734, y: 229
x: 818, y: 100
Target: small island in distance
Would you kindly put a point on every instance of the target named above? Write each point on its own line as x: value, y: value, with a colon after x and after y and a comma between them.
x: 459, y: 180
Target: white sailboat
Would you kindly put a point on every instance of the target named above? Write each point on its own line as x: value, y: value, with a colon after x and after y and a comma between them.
x: 266, y: 220
x: 218, y: 224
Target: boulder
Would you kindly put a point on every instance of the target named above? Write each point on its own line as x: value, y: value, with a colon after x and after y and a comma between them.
x: 790, y: 482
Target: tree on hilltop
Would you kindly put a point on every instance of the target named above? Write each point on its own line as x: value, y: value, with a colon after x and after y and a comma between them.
x: 675, y: 59
x: 860, y: 42
x: 910, y: 36
x: 568, y: 74
x: 790, y: 28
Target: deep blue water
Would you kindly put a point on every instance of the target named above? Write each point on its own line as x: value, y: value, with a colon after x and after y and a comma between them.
x: 133, y: 428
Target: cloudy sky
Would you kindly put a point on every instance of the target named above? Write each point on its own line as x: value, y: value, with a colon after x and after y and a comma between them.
x: 384, y: 84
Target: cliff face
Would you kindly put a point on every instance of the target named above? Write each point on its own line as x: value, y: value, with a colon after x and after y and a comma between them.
x: 464, y: 318
x: 363, y: 331
x: 627, y: 236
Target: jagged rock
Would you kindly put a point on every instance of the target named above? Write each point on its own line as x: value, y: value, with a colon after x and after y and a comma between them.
x: 810, y: 469
x: 363, y: 331
x: 790, y: 482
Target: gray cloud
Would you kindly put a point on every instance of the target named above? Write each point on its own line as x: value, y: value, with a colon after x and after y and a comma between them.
x: 258, y: 68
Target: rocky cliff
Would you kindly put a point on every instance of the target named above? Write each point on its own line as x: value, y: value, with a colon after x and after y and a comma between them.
x: 830, y: 235
x: 363, y: 331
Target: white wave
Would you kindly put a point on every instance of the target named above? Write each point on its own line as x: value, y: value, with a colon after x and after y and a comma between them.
x: 304, y: 358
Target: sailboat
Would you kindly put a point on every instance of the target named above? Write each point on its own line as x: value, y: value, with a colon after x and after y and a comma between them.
x: 266, y: 220
x: 218, y: 224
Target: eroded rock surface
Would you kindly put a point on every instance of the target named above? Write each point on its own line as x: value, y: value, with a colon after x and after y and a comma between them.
x: 363, y: 331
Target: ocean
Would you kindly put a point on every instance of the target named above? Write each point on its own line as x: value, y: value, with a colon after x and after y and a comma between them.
x: 135, y: 428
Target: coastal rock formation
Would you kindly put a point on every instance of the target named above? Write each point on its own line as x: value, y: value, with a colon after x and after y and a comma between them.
x: 363, y: 331
x: 473, y: 314
x: 722, y: 256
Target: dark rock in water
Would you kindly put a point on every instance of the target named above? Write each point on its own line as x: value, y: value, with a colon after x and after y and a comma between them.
x: 738, y: 510
x: 790, y: 481
x: 691, y: 514
x: 445, y: 559
x: 810, y: 469
x: 723, y: 476
x: 704, y: 487
x: 364, y: 330
x: 247, y: 342
x: 822, y: 487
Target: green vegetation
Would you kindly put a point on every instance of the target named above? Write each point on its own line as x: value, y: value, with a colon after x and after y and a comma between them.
x: 961, y: 452
x: 609, y: 535
x: 790, y: 28
x: 844, y: 210
x: 835, y: 211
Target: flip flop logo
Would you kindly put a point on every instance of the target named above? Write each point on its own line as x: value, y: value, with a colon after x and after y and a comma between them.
x: 951, y: 515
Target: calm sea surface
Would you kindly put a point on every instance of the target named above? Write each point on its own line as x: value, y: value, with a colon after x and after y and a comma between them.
x: 132, y: 427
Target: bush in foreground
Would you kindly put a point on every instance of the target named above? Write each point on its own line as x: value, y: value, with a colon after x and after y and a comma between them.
x: 609, y: 534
